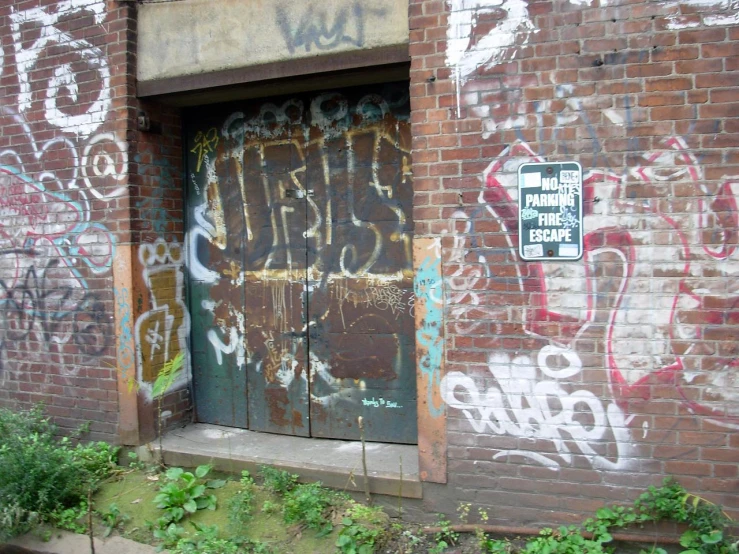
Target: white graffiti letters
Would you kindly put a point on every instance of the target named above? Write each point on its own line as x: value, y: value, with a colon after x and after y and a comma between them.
x: 64, y: 81
x: 465, y: 55
x: 528, y: 406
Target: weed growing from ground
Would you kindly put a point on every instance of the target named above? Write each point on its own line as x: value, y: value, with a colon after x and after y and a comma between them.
x: 362, y: 529
x: 112, y: 518
x: 71, y: 519
x: 241, y: 505
x: 277, y: 481
x: 169, y: 535
x: 445, y: 538
x: 269, y: 507
x: 670, y: 502
x: 185, y: 493
x: 42, y: 477
x: 308, y: 504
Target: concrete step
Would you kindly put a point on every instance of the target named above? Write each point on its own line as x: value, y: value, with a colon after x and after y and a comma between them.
x: 337, y: 464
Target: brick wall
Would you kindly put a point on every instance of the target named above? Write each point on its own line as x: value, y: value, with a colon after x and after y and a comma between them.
x: 64, y: 93
x: 158, y: 265
x: 570, y: 384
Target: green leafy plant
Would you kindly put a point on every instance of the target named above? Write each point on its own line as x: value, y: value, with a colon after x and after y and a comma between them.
x: 308, y: 504
x: 185, y: 492
x: 42, y: 476
x: 269, y: 507
x: 134, y: 462
x: 494, y: 546
x: 169, y: 535
x: 445, y: 537
x: 411, y: 539
x: 706, y: 533
x: 277, y: 481
x: 15, y: 520
x: 707, y: 523
x: 97, y: 460
x: 168, y: 374
x: 566, y: 540
x: 71, y: 519
x: 362, y: 528
x: 241, y: 505
x: 112, y: 518
x: 206, y: 540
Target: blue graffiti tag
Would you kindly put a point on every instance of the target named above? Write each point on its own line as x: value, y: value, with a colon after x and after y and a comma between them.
x: 428, y: 290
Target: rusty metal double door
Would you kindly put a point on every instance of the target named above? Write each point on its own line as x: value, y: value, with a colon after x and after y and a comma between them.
x: 320, y: 203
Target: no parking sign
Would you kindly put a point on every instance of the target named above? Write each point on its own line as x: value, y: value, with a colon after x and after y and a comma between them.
x: 550, y: 211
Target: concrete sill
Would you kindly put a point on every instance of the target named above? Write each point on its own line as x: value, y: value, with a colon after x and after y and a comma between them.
x: 337, y: 464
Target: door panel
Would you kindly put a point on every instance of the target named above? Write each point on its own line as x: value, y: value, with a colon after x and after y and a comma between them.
x: 322, y: 188
x: 361, y: 338
x: 215, y: 253
x: 275, y: 282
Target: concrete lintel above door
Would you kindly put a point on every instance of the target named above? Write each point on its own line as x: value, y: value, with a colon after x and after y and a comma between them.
x: 222, y: 41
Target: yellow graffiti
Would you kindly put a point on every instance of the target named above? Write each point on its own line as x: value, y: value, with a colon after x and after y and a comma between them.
x: 205, y: 143
x: 233, y: 271
x: 161, y: 332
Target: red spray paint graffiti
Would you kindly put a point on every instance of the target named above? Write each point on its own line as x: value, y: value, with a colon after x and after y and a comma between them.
x: 664, y: 234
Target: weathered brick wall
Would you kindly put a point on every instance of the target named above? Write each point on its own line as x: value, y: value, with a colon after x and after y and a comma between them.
x: 63, y: 174
x: 162, y: 318
x: 570, y: 384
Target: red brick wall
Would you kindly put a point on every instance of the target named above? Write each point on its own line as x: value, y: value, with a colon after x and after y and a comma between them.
x: 64, y: 92
x: 570, y: 384
x: 158, y: 264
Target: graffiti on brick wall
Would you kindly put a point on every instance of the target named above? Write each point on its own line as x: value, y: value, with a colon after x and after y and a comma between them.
x: 162, y: 331
x: 724, y: 12
x: 657, y: 306
x: 484, y: 33
x: 531, y: 400
x: 58, y: 163
x: 662, y: 296
x: 46, y: 249
x: 322, y: 28
x: 467, y: 309
x: 654, y: 301
x: 467, y: 52
x: 68, y: 79
x: 73, y: 93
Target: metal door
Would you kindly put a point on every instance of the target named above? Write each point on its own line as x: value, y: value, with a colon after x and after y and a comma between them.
x: 313, y: 271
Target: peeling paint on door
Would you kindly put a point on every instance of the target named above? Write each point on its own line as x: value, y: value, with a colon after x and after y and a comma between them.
x: 300, y: 258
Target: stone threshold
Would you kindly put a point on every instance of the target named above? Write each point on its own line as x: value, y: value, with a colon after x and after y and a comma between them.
x: 336, y: 463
